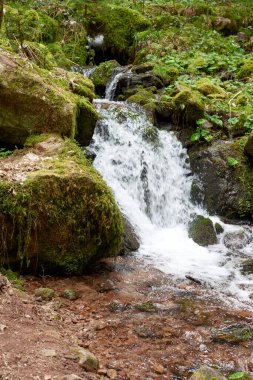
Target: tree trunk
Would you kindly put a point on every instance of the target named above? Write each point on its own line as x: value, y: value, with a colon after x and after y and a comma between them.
x: 1, y: 11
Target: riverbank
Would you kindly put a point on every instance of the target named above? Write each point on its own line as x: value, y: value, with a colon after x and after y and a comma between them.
x: 137, y: 321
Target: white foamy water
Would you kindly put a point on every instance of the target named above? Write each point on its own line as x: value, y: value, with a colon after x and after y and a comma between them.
x: 150, y: 177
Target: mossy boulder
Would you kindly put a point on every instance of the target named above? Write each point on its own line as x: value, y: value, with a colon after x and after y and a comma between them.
x: 102, y: 74
x: 35, y: 101
x: 206, y: 87
x: 202, y: 231
x: 188, y: 105
x: 118, y: 25
x: 226, y: 176
x: 57, y: 214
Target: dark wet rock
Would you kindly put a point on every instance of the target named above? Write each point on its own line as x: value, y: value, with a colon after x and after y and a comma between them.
x: 237, y: 239
x: 130, y: 241
x: 201, y: 230
x: 207, y: 373
x: 233, y: 334
x: 247, y: 266
x: 226, y: 178
x: 131, y: 80
x: 218, y: 228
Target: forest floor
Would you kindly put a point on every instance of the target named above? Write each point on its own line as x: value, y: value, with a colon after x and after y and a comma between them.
x: 133, y: 318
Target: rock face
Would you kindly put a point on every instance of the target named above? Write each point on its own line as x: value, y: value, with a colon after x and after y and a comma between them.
x: 226, y: 176
x: 201, y: 230
x: 34, y: 102
x: 56, y: 212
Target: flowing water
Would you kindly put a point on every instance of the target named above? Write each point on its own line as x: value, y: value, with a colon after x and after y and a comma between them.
x: 149, y: 173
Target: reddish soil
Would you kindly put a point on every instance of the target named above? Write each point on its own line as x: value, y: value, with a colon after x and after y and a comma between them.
x: 138, y: 323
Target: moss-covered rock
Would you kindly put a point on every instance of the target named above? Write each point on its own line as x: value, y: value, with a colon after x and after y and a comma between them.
x: 201, y: 230
x: 56, y: 212
x: 226, y: 176
x: 142, y: 97
x: 119, y: 25
x: 34, y: 101
x: 188, y: 105
x: 102, y: 74
x: 246, y: 71
x: 206, y: 87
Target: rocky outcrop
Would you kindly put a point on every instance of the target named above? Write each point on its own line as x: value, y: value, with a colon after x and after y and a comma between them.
x: 226, y: 177
x: 56, y: 212
x: 201, y: 230
x: 35, y: 101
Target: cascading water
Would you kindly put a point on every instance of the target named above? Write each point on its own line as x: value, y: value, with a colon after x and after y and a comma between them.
x: 148, y: 171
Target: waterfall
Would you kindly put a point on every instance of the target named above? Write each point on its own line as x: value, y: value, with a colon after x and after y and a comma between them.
x: 149, y: 174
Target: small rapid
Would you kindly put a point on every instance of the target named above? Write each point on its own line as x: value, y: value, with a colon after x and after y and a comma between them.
x: 149, y: 173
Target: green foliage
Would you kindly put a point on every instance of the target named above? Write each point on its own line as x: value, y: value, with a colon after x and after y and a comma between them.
x: 200, y: 135
x: 249, y: 123
x: 14, y: 278
x: 5, y: 153
x: 232, y: 162
x: 236, y: 375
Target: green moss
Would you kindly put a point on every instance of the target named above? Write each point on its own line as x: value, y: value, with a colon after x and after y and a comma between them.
x: 189, y: 104
x: 39, y: 54
x: 36, y: 101
x: 60, y: 217
x: 44, y: 293
x: 87, y: 117
x: 142, y: 97
x: 14, y: 278
x: 246, y: 71
x: 206, y: 87
x: 201, y: 230
x: 102, y: 75
x: 119, y: 24
x: 166, y: 73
